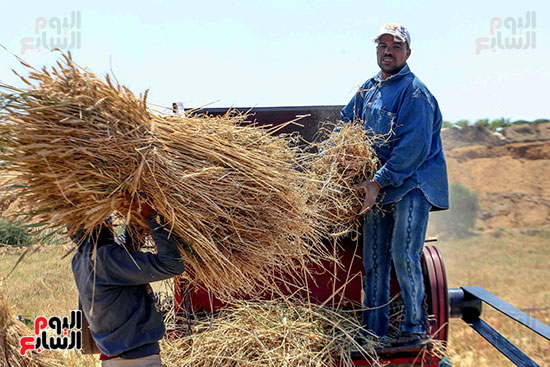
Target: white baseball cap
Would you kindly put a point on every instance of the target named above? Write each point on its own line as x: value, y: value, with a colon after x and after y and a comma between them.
x: 398, y: 31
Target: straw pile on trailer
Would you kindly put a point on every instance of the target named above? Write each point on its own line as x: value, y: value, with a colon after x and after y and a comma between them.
x: 81, y: 149
x: 11, y: 330
x: 347, y: 157
x: 274, y: 333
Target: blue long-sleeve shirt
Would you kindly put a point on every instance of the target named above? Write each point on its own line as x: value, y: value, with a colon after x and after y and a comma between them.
x: 115, y: 295
x: 401, y: 108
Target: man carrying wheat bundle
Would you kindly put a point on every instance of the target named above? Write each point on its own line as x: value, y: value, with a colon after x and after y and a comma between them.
x: 113, y: 286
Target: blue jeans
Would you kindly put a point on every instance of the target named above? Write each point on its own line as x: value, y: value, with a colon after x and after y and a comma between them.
x: 396, y: 232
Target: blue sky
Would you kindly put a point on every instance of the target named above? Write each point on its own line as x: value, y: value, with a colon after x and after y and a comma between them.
x: 277, y: 53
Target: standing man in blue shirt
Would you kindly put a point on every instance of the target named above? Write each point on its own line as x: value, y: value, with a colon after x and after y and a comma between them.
x: 411, y: 182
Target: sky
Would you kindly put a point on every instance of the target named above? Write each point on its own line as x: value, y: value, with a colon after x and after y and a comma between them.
x: 292, y: 53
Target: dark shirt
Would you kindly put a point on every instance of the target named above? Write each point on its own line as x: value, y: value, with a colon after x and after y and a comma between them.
x: 115, y: 295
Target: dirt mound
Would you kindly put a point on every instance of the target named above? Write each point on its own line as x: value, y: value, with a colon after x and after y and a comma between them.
x: 527, y: 132
x: 528, y: 151
x: 455, y: 137
x: 509, y: 172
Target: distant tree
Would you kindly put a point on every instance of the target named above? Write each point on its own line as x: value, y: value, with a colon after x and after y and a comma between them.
x: 521, y: 122
x: 462, y: 123
x: 482, y: 122
x: 499, y: 123
x: 446, y: 124
x: 541, y: 121
x: 460, y: 219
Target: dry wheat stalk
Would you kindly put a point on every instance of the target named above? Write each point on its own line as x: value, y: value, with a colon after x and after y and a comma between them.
x: 273, y: 333
x: 11, y: 330
x: 347, y: 158
x: 79, y: 147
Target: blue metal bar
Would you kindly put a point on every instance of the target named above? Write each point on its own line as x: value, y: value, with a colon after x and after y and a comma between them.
x: 510, y: 311
x: 502, y: 344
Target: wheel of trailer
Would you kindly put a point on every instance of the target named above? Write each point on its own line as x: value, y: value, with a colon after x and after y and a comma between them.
x: 435, y: 282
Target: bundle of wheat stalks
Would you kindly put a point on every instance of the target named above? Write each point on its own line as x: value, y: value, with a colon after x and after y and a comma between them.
x: 347, y: 157
x: 81, y: 149
x: 11, y: 330
x: 245, y: 204
x: 274, y: 333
